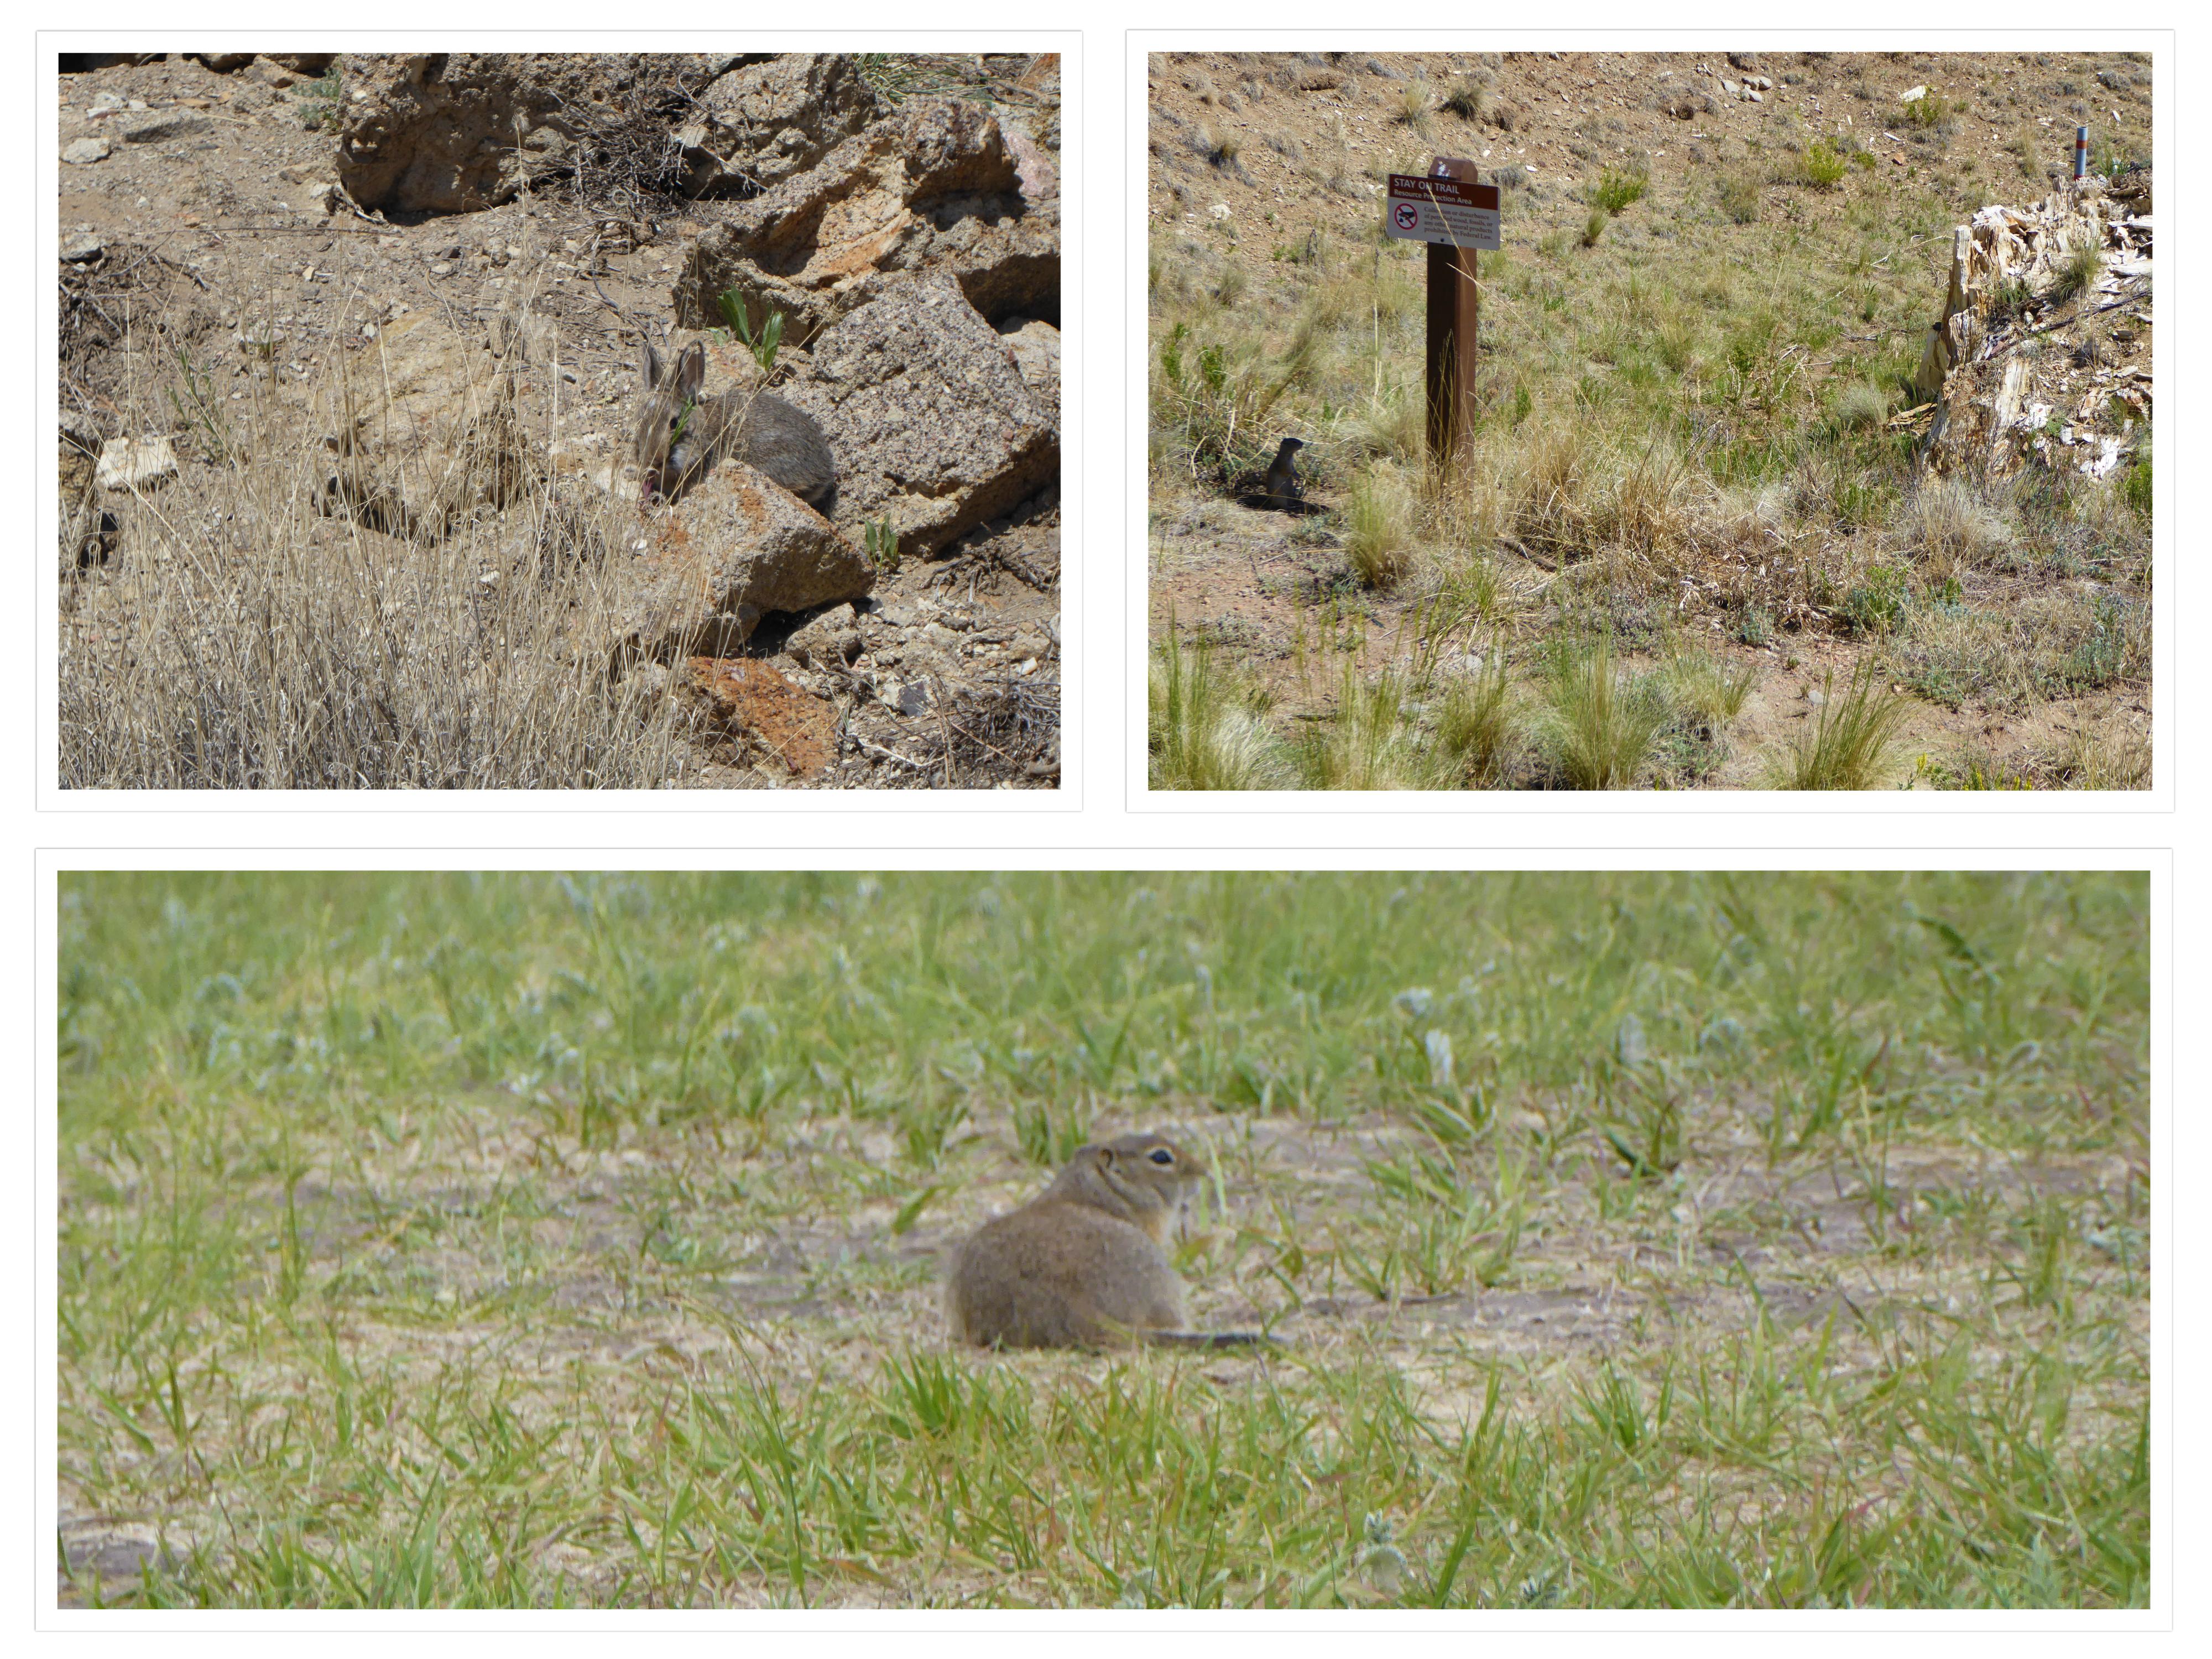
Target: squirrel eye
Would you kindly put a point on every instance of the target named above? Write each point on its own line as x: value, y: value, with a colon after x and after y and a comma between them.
x: 1161, y: 1154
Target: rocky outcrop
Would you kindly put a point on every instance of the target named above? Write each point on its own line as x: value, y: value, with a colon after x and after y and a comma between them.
x: 736, y: 548
x: 2016, y: 365
x: 451, y: 132
x: 760, y: 124
x: 934, y: 191
x: 933, y: 427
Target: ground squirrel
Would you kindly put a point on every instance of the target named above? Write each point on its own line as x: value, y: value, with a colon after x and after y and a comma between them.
x: 1081, y: 1265
x: 1283, y: 473
x: 679, y: 435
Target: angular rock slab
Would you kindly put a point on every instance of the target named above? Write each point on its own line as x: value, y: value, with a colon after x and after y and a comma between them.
x: 931, y: 190
x: 737, y: 547
x: 932, y: 425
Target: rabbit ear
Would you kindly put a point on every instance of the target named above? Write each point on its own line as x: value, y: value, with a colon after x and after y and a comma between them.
x: 649, y: 365
x: 691, y: 369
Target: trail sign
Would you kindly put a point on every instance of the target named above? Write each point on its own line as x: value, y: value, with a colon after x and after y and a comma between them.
x: 1456, y: 211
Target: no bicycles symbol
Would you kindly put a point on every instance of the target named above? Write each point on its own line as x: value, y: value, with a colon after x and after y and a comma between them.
x: 1457, y: 211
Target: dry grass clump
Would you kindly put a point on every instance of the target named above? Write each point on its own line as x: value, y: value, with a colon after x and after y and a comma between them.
x: 1206, y: 731
x: 250, y: 644
x: 1378, y: 540
x: 1951, y: 530
x: 1846, y: 742
x: 1466, y: 98
x: 1479, y: 724
x: 1600, y: 723
x: 1414, y: 109
x: 1371, y: 743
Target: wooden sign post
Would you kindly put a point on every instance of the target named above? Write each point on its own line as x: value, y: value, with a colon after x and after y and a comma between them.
x: 1455, y: 216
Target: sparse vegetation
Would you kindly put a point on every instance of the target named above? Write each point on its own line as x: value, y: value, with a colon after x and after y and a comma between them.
x: 1465, y: 100
x: 1698, y: 430
x: 1739, y: 197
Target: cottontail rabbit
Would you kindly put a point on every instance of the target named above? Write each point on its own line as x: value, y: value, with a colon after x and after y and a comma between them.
x: 1081, y: 1265
x: 679, y: 437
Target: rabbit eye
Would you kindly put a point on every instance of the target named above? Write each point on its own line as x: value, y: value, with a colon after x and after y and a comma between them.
x: 1161, y: 1154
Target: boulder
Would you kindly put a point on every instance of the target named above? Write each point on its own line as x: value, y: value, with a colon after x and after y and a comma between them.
x: 931, y: 190
x: 737, y: 547
x: 136, y: 464
x: 932, y: 425
x: 1036, y: 347
x: 419, y: 428
x: 763, y: 122
x: 452, y: 132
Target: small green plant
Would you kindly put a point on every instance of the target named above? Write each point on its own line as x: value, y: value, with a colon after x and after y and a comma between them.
x: 2076, y: 272
x: 1220, y: 406
x: 2100, y: 658
x: 1711, y: 691
x: 1049, y: 1138
x: 322, y: 102
x: 1928, y: 110
x: 1821, y: 165
x: 1739, y: 197
x: 882, y: 544
x: 1220, y: 149
x: 1205, y: 733
x: 2135, y: 486
x: 200, y: 408
x: 1617, y: 187
x: 1413, y: 107
x: 1878, y: 605
x: 892, y: 76
x: 1755, y: 625
x: 1368, y: 743
x: 1845, y: 743
x: 1593, y: 227
x: 762, y: 345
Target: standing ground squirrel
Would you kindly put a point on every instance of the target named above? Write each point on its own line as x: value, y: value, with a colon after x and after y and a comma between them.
x: 1283, y: 473
x: 1081, y: 1265
x: 679, y: 435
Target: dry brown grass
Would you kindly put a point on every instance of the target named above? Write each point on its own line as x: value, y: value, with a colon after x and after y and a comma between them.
x: 246, y: 642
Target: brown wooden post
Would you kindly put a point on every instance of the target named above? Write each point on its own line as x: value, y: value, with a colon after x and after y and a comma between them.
x: 1451, y: 331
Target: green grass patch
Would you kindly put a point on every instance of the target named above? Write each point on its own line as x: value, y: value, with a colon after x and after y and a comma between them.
x: 1689, y: 1239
